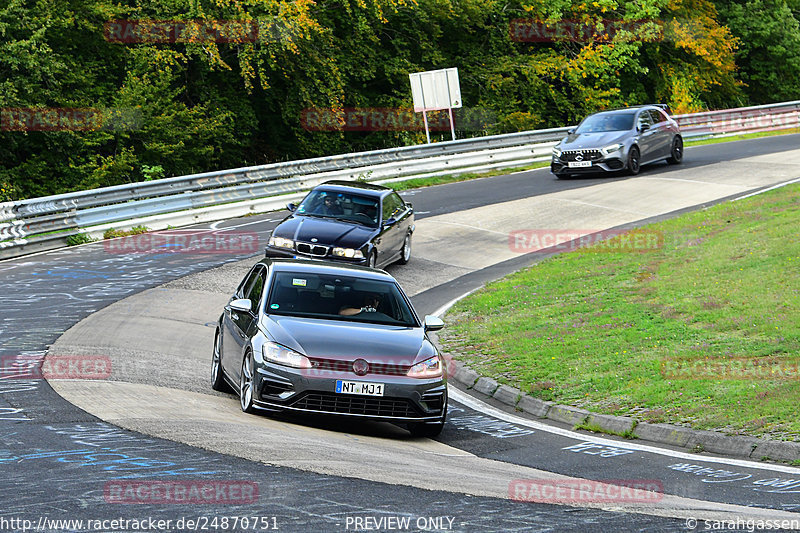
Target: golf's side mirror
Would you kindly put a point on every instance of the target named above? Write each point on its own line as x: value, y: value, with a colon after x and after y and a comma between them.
x: 433, y: 323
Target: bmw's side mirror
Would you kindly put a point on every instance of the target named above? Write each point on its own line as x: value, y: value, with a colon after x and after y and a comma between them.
x: 243, y: 305
x: 291, y: 206
x: 433, y: 323
x: 644, y: 127
x: 389, y: 222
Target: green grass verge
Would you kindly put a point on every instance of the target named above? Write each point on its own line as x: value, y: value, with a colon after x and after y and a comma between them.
x: 670, y: 334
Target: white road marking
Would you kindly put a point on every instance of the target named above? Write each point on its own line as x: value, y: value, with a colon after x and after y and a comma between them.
x: 472, y: 403
x: 214, y: 226
x: 640, y: 213
x: 778, y: 186
x: 504, y: 234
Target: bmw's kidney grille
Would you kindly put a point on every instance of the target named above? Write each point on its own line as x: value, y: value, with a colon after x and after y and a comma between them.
x: 356, y: 405
x: 312, y: 249
x: 586, y: 155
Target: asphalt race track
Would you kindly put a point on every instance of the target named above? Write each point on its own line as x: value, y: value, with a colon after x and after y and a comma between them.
x: 155, y: 418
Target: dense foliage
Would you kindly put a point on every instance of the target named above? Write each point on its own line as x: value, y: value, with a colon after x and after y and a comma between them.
x: 173, y: 108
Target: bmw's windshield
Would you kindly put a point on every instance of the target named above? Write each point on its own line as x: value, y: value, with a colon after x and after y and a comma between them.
x: 605, y: 122
x: 344, y: 298
x: 341, y: 206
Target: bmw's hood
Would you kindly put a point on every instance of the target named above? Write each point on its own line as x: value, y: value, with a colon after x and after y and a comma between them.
x: 335, y: 339
x: 583, y: 141
x: 325, y: 230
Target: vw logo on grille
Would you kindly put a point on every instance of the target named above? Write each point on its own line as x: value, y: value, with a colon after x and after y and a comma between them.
x: 360, y: 367
x: 579, y: 157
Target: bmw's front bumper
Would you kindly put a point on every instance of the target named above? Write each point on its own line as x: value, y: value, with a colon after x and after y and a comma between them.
x: 274, y: 251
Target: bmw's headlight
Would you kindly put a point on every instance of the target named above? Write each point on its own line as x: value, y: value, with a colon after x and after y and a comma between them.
x: 556, y: 152
x: 611, y: 148
x: 280, y: 242
x: 349, y: 253
x: 429, y: 368
x: 275, y: 353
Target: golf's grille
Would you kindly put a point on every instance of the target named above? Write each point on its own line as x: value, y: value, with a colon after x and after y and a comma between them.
x: 346, y: 367
x: 586, y: 155
x: 356, y: 405
x: 312, y: 249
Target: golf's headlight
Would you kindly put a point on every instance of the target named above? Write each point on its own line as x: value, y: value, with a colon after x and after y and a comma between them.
x: 350, y: 253
x: 280, y: 242
x: 275, y: 353
x: 556, y: 152
x: 429, y: 368
x: 611, y: 148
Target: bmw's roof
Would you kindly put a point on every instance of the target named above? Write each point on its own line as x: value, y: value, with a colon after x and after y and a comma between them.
x: 362, y: 187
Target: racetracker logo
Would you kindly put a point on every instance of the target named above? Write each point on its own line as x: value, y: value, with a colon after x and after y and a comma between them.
x: 740, y: 368
x: 182, y: 31
x: 586, y: 491
x: 54, y: 367
x: 540, y: 31
x: 587, y: 240
x: 69, y: 119
x: 188, y: 242
x: 394, y: 119
x: 181, y: 492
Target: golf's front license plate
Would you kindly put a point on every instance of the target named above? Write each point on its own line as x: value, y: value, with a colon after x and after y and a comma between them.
x: 358, y: 387
x: 579, y: 164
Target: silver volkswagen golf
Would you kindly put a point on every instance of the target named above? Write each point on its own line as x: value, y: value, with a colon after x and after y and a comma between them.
x: 343, y: 340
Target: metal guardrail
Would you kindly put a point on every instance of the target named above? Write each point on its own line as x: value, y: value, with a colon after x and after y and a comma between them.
x: 741, y: 120
x: 47, y: 222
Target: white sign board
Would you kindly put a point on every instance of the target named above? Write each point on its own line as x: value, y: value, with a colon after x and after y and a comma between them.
x: 435, y: 89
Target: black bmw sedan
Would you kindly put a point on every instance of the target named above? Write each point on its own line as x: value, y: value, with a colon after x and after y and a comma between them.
x: 618, y: 140
x: 314, y: 337
x: 351, y: 222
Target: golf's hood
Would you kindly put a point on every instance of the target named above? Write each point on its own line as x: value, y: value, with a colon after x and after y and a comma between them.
x: 338, y: 339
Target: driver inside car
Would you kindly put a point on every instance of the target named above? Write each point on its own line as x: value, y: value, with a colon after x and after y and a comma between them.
x: 330, y: 207
x: 370, y: 305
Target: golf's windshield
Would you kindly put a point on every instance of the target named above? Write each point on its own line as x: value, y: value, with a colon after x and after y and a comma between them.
x: 334, y: 297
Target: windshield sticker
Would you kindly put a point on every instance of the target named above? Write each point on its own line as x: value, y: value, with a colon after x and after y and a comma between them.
x: 298, y: 282
x: 274, y: 306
